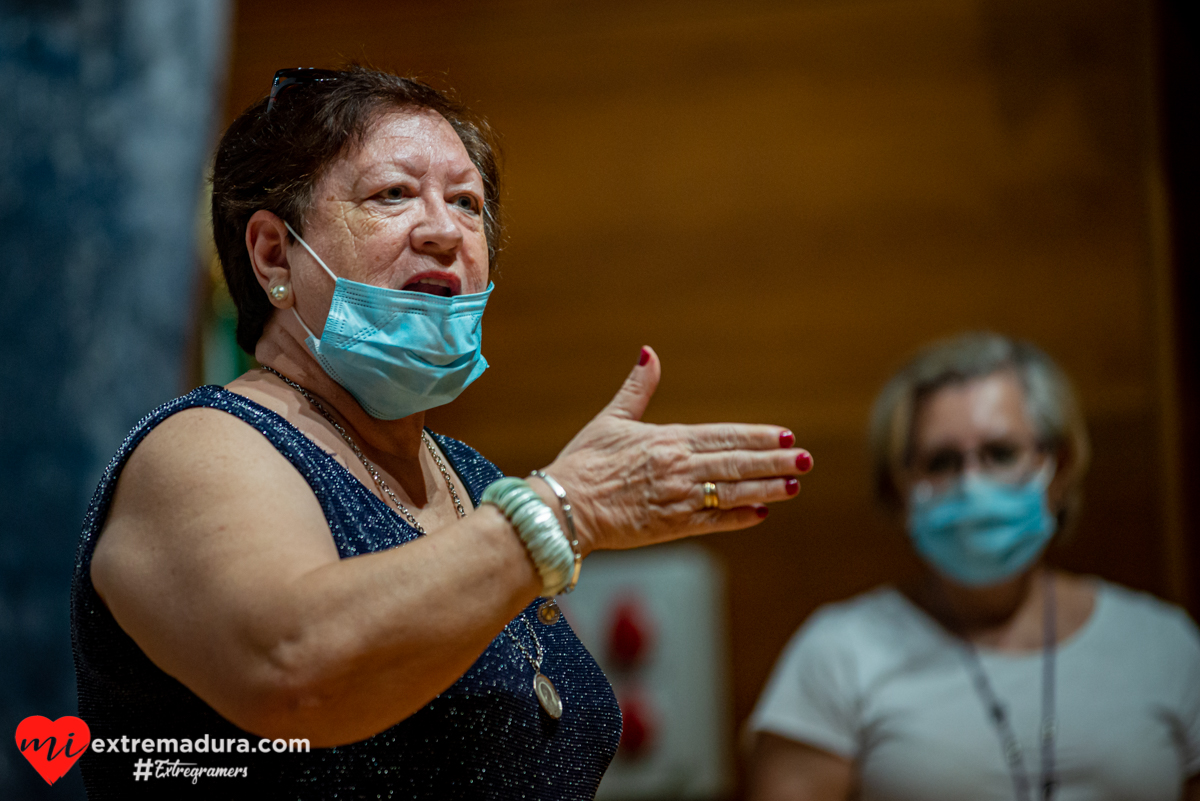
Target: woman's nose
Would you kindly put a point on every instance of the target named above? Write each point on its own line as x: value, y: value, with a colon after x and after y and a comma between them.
x: 436, y: 232
x: 972, y: 465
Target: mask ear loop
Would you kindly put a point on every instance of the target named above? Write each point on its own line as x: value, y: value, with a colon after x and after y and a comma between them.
x: 312, y: 253
x: 1045, y: 475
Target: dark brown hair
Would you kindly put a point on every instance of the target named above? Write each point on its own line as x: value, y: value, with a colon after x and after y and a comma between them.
x: 273, y: 161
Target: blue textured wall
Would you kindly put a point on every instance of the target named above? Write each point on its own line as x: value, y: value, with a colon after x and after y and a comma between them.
x: 107, y: 112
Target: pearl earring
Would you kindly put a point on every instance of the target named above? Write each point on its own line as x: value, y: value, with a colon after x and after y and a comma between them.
x: 280, y: 292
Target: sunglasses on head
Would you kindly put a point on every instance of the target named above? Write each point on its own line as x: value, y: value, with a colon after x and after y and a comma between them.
x: 293, y: 76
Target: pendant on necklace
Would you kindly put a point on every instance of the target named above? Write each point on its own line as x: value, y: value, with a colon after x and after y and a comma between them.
x: 548, y: 612
x: 547, y: 696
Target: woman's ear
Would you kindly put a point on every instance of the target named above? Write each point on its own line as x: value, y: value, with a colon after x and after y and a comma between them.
x: 899, y: 491
x: 1064, y: 465
x: 266, y: 242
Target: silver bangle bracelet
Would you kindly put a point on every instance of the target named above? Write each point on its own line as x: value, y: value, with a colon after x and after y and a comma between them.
x: 561, y: 494
x: 537, y: 526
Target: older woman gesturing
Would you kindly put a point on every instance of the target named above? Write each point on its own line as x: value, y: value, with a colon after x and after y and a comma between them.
x: 296, y: 556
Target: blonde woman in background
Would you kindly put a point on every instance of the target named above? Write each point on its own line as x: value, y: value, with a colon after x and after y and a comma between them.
x: 994, y: 676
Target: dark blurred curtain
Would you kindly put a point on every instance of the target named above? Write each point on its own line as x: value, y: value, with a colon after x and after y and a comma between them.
x: 107, y: 112
x: 1179, y: 32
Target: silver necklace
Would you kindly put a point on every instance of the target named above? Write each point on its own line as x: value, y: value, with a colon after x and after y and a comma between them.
x: 543, y: 688
x: 998, y: 714
x: 379, y: 482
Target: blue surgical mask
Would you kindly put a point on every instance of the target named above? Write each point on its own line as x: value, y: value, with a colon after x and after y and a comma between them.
x: 982, y: 531
x: 397, y: 352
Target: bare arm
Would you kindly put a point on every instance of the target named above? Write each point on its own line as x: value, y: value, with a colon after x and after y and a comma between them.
x: 217, y: 560
x: 786, y: 770
x: 223, y: 570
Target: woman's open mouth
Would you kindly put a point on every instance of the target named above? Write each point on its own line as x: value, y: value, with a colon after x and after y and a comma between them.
x: 443, y: 285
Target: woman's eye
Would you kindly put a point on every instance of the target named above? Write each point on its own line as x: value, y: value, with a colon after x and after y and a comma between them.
x: 467, y: 203
x: 1001, y: 454
x: 393, y: 193
x: 943, y: 463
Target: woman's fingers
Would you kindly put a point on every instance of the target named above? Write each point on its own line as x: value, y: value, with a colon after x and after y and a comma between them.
x: 713, y: 520
x: 739, y: 465
x: 638, y: 483
x: 711, y: 437
x: 633, y: 397
x: 733, y: 494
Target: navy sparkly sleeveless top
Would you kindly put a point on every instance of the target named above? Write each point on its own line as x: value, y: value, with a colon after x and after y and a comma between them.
x: 485, y: 737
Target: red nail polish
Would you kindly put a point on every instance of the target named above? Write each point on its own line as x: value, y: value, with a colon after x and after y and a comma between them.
x: 786, y: 439
x: 804, y: 462
x: 645, y: 357
x: 791, y: 486
x: 762, y: 511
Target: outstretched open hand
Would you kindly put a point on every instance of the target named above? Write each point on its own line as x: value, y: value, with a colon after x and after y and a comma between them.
x: 633, y: 483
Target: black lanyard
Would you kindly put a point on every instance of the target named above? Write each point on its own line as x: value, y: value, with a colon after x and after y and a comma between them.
x: 998, y: 713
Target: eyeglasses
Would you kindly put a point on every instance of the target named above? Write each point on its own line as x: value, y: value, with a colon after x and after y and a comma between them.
x: 293, y: 76
x: 1004, y: 460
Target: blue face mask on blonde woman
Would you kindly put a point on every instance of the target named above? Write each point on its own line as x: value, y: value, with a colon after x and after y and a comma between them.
x: 985, y: 525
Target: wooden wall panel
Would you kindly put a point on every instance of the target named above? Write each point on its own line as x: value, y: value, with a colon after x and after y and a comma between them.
x: 785, y: 199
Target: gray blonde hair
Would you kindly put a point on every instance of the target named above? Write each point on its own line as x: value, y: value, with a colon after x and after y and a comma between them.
x: 1049, y: 401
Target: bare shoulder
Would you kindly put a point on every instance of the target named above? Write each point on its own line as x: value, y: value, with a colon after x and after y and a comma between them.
x: 202, y: 490
x: 197, y: 457
x: 197, y: 438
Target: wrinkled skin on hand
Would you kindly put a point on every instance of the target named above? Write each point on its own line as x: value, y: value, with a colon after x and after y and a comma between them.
x: 632, y: 483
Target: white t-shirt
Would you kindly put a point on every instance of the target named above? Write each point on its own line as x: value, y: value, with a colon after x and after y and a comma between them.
x: 876, y: 680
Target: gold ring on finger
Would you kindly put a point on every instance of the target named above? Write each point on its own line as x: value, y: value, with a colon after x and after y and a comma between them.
x: 711, y: 501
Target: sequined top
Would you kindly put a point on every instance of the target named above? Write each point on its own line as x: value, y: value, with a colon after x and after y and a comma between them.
x: 485, y: 737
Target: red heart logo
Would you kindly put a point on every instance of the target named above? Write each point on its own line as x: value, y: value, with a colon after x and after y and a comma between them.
x: 52, y: 746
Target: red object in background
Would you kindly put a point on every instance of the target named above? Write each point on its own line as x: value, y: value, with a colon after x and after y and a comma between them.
x: 629, y: 635
x: 638, y: 725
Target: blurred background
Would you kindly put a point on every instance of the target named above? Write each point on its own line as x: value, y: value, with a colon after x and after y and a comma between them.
x: 784, y: 199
